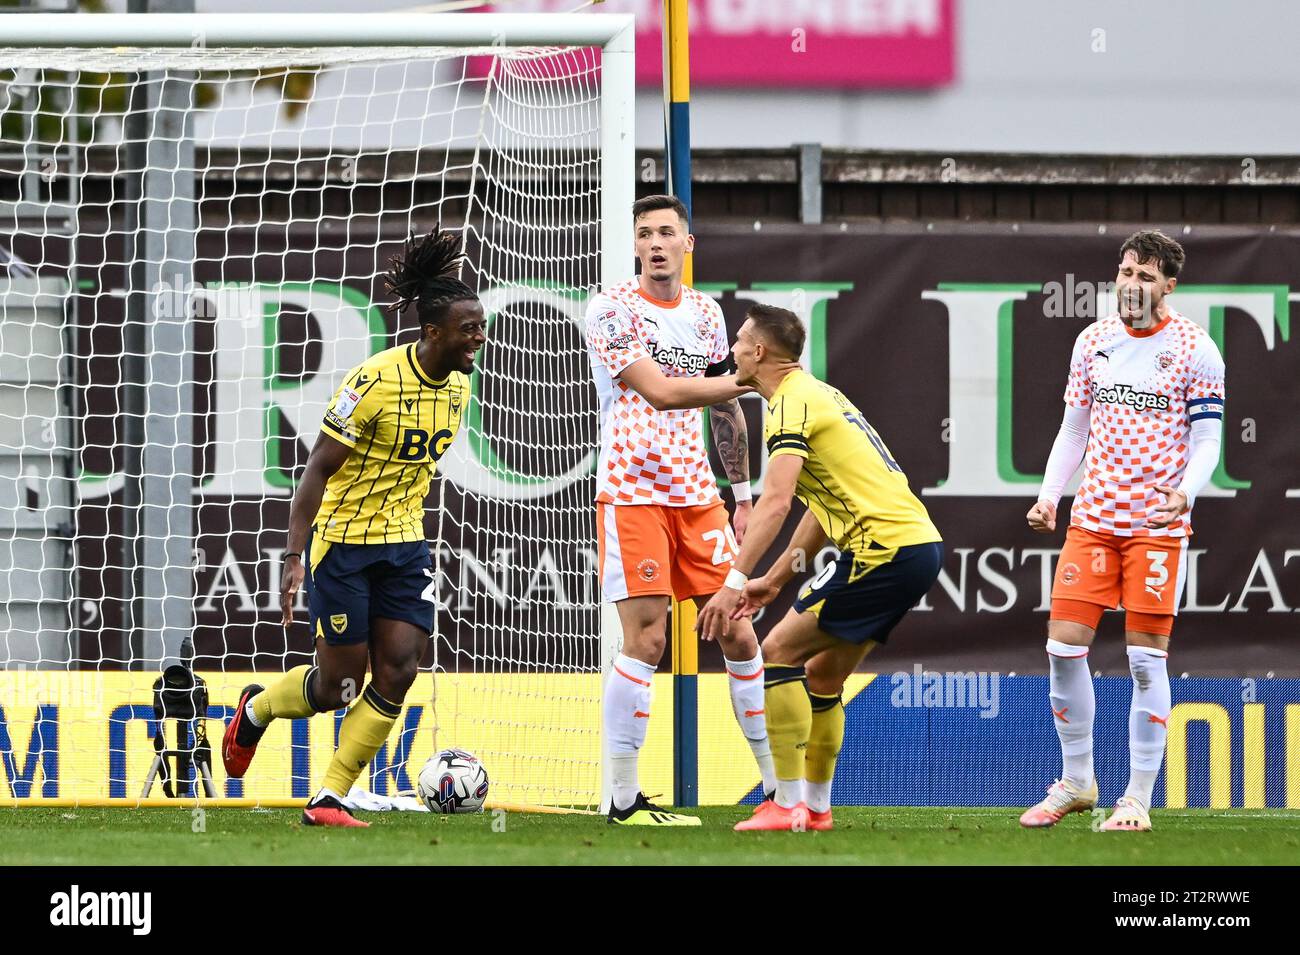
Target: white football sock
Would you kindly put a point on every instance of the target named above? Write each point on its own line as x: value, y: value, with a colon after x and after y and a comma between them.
x: 817, y: 795
x: 625, y: 713
x: 745, y: 681
x: 1073, y: 705
x: 250, y: 714
x: 789, y: 793
x: 1146, y: 720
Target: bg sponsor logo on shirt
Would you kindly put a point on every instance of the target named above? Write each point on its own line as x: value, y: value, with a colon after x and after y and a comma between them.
x: 678, y: 357
x: 418, y: 444
x: 1128, y: 395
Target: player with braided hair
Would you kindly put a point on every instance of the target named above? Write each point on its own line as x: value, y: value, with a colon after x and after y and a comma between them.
x: 356, y: 527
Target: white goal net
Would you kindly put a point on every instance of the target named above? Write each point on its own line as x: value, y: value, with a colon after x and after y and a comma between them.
x: 192, y: 245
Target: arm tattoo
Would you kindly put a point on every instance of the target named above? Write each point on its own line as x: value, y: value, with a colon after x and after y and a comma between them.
x: 731, y: 438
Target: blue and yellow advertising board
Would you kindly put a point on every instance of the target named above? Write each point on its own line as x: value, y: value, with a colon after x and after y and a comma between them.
x: 912, y: 738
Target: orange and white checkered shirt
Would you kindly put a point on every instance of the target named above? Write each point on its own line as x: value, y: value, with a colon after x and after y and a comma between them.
x: 1144, y: 389
x: 649, y: 456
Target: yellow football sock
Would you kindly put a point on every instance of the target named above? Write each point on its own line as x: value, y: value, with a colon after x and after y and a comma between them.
x: 825, y: 738
x: 286, y: 698
x: 361, y: 734
x: 789, y: 717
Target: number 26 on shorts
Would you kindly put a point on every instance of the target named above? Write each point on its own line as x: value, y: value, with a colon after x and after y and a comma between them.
x: 724, y: 544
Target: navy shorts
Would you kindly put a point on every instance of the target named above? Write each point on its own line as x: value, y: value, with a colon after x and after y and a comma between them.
x: 350, y: 584
x: 858, y: 607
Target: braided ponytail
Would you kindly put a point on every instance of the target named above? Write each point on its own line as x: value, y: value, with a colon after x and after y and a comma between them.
x: 427, y: 275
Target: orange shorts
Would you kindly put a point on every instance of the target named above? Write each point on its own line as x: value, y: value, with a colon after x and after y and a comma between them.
x: 650, y: 549
x: 1097, y: 571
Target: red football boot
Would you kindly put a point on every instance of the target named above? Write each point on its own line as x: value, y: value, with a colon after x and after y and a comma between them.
x: 325, y: 810
x: 241, y: 737
x: 820, y: 821
x: 772, y: 817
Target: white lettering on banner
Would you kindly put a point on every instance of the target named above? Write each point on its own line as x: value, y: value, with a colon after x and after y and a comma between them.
x: 973, y: 399
x: 546, y: 585
x: 229, y: 579
x: 231, y: 576
x: 1045, y: 556
x: 493, y: 586
x: 956, y: 592
x: 244, y: 395
x: 1264, y: 570
x: 990, y: 578
x: 553, y: 577
x: 976, y: 580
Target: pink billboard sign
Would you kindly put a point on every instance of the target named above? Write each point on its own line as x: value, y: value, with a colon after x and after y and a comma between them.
x: 848, y: 44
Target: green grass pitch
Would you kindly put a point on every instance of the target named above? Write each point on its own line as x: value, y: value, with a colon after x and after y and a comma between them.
x: 863, y: 836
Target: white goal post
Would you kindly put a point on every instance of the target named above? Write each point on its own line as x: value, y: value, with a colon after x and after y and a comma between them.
x: 196, y: 212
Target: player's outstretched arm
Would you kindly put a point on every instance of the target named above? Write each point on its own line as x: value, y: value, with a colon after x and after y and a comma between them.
x: 764, y: 525
x: 326, y: 457
x: 669, y: 394
x: 1067, y: 451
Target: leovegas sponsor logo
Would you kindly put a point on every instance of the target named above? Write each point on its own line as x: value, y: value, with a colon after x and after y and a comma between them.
x: 678, y: 357
x: 1128, y: 395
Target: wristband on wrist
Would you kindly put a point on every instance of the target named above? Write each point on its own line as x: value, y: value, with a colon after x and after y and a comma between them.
x: 740, y: 493
x: 293, y: 554
x: 736, y: 580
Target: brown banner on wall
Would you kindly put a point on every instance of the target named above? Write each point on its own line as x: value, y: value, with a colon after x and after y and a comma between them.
x: 954, y: 344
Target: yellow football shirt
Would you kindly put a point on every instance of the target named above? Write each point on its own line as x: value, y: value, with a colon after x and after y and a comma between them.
x: 398, y: 423
x: 849, y: 480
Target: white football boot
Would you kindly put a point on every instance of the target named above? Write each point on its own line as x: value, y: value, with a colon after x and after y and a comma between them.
x: 1062, y: 799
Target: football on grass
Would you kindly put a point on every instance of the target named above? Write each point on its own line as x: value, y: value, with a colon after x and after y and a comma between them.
x: 453, y: 781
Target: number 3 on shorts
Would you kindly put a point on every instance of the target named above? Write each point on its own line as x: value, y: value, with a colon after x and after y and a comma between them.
x: 1158, y: 574
x: 724, y: 543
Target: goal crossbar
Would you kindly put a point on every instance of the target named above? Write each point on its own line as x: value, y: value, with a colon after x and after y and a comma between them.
x: 613, y: 32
